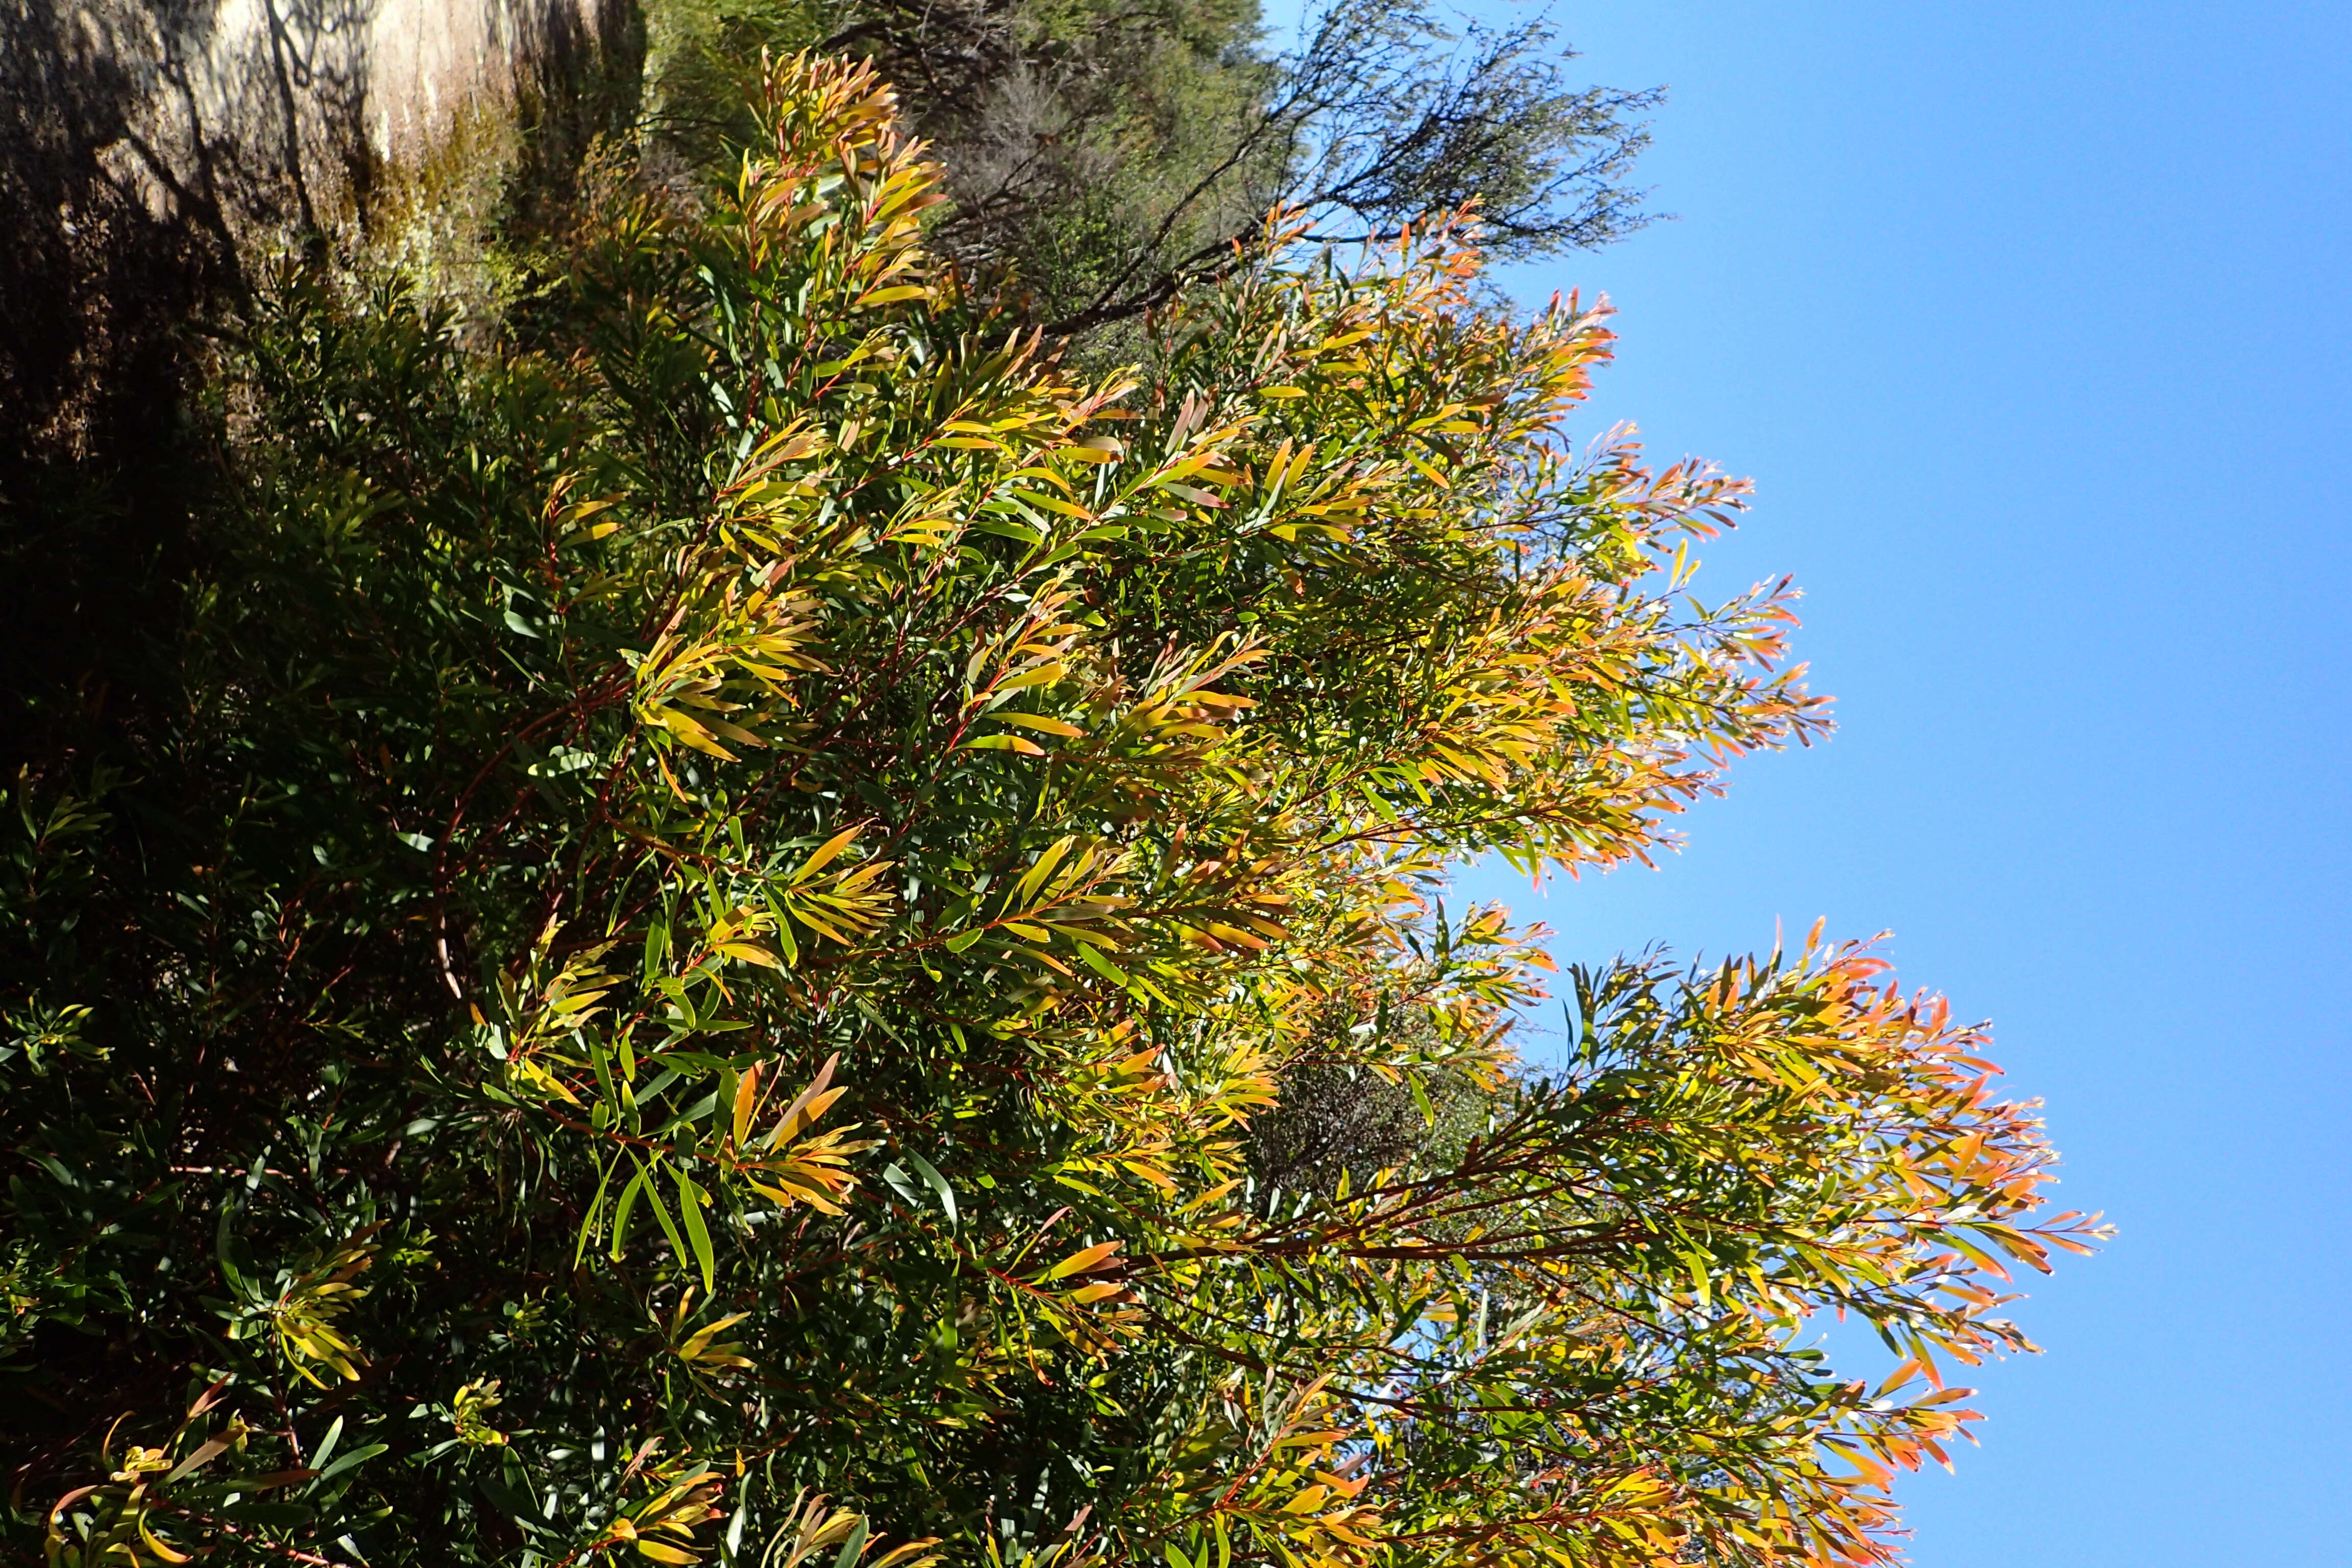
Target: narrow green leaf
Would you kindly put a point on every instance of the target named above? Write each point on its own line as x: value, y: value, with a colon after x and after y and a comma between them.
x: 621, y: 1212
x: 689, y: 1203
x: 938, y: 1184
x: 853, y: 1548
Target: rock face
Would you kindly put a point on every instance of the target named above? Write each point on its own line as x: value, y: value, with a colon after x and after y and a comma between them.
x: 148, y: 149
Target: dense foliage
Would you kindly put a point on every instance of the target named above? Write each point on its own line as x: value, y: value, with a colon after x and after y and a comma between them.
x: 725, y: 925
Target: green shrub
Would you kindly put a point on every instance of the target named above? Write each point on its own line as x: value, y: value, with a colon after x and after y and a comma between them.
x: 707, y: 905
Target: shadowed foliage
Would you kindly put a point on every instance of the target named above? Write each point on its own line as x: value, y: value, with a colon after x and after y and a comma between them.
x: 155, y: 156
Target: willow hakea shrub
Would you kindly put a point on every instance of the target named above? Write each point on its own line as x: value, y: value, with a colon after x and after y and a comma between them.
x: 699, y: 955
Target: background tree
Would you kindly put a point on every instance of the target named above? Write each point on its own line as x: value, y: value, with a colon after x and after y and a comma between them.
x: 1106, y: 154
x: 684, y: 963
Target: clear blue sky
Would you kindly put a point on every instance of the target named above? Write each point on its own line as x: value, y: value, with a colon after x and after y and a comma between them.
x: 2033, y: 324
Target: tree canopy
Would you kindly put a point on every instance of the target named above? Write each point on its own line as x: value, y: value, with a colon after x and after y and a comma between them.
x: 760, y: 922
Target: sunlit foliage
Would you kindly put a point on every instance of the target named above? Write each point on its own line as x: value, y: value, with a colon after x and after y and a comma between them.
x: 690, y: 968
